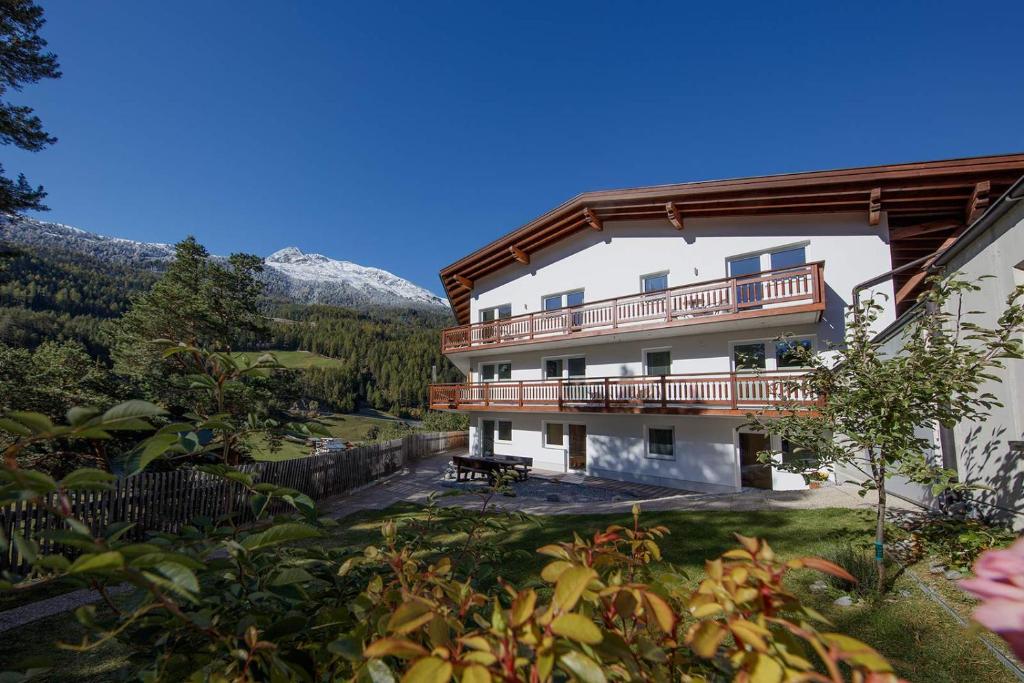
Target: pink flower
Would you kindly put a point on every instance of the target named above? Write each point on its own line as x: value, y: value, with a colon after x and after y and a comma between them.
x: 999, y: 583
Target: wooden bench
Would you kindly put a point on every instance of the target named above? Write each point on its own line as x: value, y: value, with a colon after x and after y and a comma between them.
x: 468, y: 466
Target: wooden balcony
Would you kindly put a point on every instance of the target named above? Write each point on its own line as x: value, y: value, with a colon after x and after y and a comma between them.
x: 694, y: 394
x: 770, y: 293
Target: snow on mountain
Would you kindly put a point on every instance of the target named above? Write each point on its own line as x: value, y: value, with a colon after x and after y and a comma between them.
x: 317, y: 277
x: 289, y: 273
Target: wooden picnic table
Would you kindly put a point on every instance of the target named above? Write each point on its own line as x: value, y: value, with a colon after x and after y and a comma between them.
x: 468, y: 466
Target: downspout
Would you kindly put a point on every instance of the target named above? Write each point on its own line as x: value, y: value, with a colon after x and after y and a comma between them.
x: 878, y: 279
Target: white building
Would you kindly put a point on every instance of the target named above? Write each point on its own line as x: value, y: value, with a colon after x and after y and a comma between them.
x: 627, y: 334
x: 987, y: 453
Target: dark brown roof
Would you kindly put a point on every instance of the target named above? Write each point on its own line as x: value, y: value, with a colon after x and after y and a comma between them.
x: 941, y: 196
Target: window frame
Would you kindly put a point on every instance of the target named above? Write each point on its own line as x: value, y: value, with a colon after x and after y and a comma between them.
x: 497, y: 431
x: 564, y: 361
x: 647, y: 441
x: 495, y: 309
x: 544, y: 435
x: 765, y: 256
x: 644, y: 366
x: 770, y: 360
x: 657, y: 273
x: 563, y: 299
x: 496, y: 363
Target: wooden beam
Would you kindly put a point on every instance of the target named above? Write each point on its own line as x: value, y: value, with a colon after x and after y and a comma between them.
x: 875, y: 207
x: 978, y: 202
x: 923, y: 229
x: 592, y: 220
x: 917, y: 278
x: 464, y: 281
x: 672, y: 211
x: 519, y: 255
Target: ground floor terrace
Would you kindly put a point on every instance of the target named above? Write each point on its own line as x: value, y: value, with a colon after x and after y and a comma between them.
x: 697, y: 453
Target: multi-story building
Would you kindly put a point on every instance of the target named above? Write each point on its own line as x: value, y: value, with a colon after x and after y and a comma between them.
x: 627, y: 334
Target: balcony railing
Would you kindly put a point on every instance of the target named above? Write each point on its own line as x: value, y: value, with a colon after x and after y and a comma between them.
x: 767, y: 293
x: 724, y: 391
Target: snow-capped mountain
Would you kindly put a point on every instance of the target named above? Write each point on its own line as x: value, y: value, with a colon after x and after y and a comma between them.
x: 289, y: 273
x: 315, y: 277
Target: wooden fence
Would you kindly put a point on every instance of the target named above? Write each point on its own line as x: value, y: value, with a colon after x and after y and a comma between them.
x: 167, y: 501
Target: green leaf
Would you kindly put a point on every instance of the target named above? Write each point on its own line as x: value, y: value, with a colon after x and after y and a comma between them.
x: 87, y: 479
x: 291, y: 575
x: 180, y: 575
x: 409, y: 616
x: 429, y: 670
x: 581, y: 667
x: 78, y: 415
x: 97, y: 562
x: 570, y: 586
x: 36, y: 422
x: 281, y: 533
x: 130, y: 413
x: 11, y: 427
x: 577, y: 627
x: 394, y: 647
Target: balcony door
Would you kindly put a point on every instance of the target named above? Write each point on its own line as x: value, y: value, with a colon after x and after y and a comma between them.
x: 748, y: 294
x: 578, y: 447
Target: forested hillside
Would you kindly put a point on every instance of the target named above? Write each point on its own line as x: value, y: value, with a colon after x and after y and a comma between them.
x: 386, y: 355
x: 51, y: 294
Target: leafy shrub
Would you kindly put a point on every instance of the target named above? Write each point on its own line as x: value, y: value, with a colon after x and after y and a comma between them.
x: 958, y: 541
x: 860, y: 563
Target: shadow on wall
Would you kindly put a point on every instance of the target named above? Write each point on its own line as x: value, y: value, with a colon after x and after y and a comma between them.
x: 992, y: 462
x: 833, y: 323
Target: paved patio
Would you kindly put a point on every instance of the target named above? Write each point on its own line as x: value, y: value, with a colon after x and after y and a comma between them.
x: 415, y: 484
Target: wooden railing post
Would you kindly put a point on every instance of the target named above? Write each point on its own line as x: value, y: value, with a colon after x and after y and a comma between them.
x: 607, y: 394
x: 664, y: 396
x: 668, y: 305
x: 560, y: 388
x: 732, y: 389
x: 520, y: 393
x: 734, y: 303
x: 487, y: 394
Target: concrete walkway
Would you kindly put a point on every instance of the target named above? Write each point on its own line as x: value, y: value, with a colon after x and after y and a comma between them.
x: 414, y: 485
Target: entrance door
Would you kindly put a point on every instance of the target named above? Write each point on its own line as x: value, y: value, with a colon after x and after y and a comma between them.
x: 753, y: 473
x: 487, y: 438
x: 578, y: 447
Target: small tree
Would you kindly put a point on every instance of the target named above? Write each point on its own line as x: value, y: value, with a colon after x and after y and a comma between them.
x: 877, y: 404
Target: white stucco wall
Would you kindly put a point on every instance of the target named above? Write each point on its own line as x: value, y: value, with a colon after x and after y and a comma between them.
x: 705, y: 454
x: 984, y: 452
x: 611, y: 262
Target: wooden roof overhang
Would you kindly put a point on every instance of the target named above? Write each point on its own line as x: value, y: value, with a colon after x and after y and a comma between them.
x: 928, y: 204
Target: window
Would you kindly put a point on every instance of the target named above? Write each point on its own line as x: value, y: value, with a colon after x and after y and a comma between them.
x: 553, y: 434
x: 553, y: 368
x: 661, y: 443
x: 787, y: 354
x: 792, y: 453
x: 496, y: 313
x: 492, y: 371
x: 1018, y: 274
x: 655, y: 282
x: 577, y: 367
x: 563, y: 300
x: 505, y: 430
x: 788, y: 258
x: 658, y: 363
x: 749, y: 356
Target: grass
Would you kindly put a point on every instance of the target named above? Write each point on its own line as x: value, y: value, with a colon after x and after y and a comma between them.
x: 348, y: 427
x: 922, y: 642
x: 295, y: 360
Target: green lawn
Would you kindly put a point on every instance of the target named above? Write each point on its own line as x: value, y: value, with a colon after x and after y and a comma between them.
x: 922, y: 642
x: 294, y: 359
x: 349, y: 427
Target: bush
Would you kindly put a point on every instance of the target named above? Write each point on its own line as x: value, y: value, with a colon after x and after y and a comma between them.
x: 860, y: 563
x: 958, y: 541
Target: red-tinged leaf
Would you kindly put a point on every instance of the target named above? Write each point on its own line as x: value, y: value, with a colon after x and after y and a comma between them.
x: 395, y: 647
x: 570, y: 587
x: 828, y: 568
x: 664, y: 617
x: 705, y: 637
x: 577, y: 627
x: 429, y: 670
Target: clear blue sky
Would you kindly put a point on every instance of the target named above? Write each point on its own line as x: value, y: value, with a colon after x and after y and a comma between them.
x: 405, y: 135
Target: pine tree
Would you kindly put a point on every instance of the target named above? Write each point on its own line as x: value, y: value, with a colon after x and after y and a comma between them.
x: 22, y: 61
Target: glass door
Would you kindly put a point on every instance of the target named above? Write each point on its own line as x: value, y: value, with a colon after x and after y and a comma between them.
x: 578, y: 447
x: 487, y: 438
x: 748, y: 294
